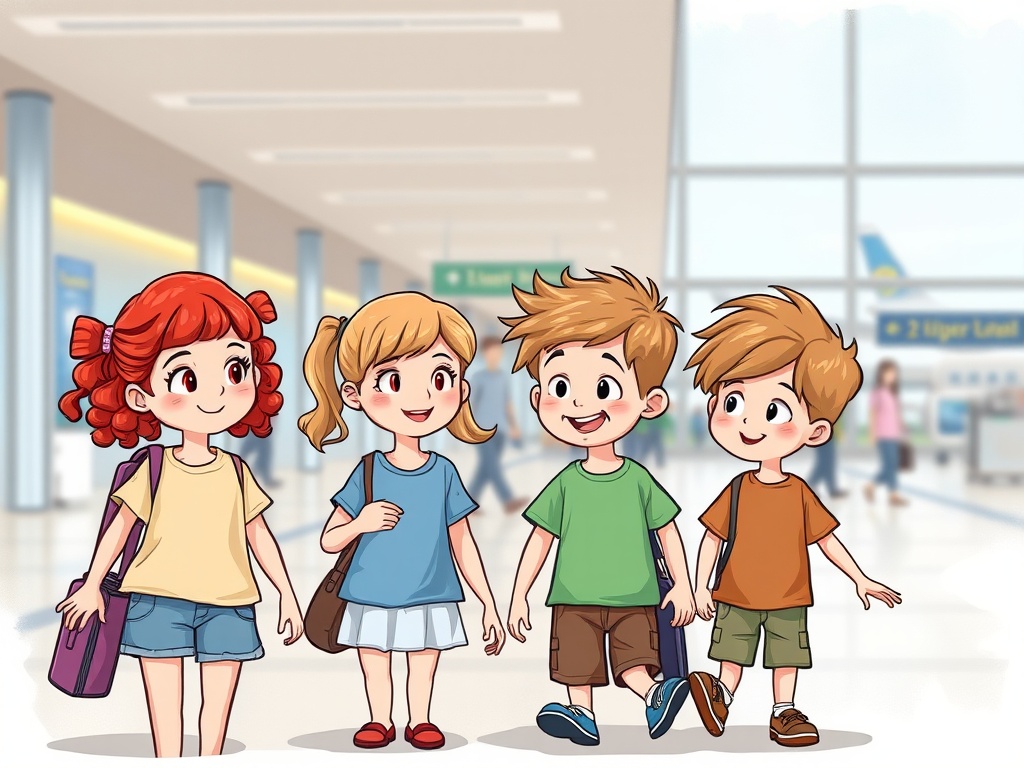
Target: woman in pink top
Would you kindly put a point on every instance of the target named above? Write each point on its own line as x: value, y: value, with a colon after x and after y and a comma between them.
x: 887, y: 430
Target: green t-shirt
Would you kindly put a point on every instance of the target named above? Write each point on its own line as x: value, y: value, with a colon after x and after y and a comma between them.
x: 602, y: 522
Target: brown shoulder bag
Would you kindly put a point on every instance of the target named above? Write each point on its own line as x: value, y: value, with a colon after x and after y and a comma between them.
x: 323, y: 617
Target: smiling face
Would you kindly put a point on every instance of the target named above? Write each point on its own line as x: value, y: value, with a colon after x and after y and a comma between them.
x: 587, y: 396
x: 413, y: 396
x: 205, y: 388
x: 762, y: 419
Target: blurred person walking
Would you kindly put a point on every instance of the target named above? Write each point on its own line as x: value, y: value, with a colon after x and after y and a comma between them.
x: 825, y: 466
x: 258, y: 453
x: 492, y: 405
x: 887, y: 430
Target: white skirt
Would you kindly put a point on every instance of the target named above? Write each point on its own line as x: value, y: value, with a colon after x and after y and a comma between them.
x: 437, y: 626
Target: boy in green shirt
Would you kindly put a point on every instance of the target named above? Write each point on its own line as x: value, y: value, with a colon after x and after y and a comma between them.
x: 599, y: 349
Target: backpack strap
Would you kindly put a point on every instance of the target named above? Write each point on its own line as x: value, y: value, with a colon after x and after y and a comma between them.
x: 237, y: 461
x: 727, y: 545
x: 155, y: 454
x: 367, y: 478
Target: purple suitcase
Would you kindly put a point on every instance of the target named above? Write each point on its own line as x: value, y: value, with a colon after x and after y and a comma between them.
x: 84, y: 662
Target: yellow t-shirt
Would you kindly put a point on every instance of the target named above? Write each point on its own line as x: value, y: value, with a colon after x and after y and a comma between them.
x: 195, y: 545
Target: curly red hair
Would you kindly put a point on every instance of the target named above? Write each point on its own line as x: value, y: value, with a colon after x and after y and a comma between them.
x: 172, y: 311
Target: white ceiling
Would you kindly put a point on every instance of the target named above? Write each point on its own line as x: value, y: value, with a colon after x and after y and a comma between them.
x: 566, y: 151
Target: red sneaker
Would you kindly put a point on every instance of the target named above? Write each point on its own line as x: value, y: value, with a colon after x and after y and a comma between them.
x: 374, y: 736
x: 424, y: 736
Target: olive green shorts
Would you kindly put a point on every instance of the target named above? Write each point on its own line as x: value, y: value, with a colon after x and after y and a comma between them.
x: 738, y: 630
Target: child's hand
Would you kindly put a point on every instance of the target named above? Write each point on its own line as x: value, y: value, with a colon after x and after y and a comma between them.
x: 868, y: 588
x: 80, y: 605
x: 705, y: 603
x: 519, y: 619
x: 494, y: 633
x: 681, y: 599
x: 289, y: 620
x: 378, y: 516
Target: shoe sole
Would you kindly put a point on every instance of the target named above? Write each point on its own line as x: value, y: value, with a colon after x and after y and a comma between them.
x: 562, y: 727
x: 425, y: 747
x: 702, y: 700
x: 801, y: 740
x: 675, y: 702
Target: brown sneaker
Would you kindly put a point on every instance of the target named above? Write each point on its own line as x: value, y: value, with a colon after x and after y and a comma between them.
x: 793, y: 729
x: 707, y: 695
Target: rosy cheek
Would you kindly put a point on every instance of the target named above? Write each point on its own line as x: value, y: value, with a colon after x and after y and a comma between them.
x: 721, y: 420
x: 174, y: 403
x: 787, y: 431
x: 618, y: 406
x: 450, y: 399
x: 549, y: 403
x: 380, y: 400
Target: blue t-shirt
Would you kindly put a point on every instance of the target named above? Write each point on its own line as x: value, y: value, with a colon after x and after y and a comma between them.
x: 412, y: 563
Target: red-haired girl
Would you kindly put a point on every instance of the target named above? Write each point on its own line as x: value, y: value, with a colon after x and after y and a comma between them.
x: 187, y: 353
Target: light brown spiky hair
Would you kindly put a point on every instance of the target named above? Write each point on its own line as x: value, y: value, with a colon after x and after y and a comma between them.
x: 767, y: 333
x: 596, y: 310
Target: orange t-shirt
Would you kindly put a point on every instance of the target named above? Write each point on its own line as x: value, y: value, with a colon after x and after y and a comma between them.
x: 769, y: 568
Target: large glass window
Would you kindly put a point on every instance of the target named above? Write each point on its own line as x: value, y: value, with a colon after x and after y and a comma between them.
x: 948, y: 227
x: 765, y: 90
x: 766, y: 228
x: 933, y: 89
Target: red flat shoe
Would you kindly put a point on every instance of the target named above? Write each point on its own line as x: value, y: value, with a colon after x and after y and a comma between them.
x: 424, y: 736
x: 374, y: 736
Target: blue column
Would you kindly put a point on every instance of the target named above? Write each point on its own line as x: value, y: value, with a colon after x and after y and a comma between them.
x: 30, y: 401
x: 369, y: 289
x: 310, y: 275
x: 215, y: 229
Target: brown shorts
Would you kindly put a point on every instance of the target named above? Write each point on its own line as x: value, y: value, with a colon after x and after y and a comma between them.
x: 577, y: 643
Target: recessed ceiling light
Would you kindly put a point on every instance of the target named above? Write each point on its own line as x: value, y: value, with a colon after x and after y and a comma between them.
x: 366, y: 99
x: 423, y: 155
x: 263, y: 24
x: 464, y: 196
x: 555, y: 226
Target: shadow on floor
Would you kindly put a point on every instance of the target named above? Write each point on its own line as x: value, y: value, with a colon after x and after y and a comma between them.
x: 633, y: 740
x: 341, y: 741
x: 131, y: 745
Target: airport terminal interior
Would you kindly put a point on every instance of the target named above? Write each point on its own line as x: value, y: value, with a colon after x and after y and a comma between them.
x: 869, y: 155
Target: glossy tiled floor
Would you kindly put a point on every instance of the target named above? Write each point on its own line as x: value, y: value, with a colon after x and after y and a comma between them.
x: 936, y: 680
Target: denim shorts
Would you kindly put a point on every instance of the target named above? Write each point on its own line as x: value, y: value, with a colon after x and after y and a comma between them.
x: 168, y: 627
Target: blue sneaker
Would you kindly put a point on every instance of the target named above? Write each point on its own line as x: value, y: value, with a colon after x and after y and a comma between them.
x: 668, y: 699
x: 568, y: 722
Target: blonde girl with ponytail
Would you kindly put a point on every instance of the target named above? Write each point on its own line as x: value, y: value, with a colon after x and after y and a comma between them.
x: 402, y: 360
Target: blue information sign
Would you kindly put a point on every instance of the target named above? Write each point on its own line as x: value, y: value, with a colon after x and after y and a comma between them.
x: 951, y: 329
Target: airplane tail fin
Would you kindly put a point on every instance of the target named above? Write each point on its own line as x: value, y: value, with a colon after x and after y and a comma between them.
x: 881, y: 261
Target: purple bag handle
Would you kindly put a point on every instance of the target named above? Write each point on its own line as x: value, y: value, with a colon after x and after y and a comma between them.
x: 155, y: 454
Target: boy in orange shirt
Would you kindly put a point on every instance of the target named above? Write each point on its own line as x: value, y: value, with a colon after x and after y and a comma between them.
x: 779, y: 378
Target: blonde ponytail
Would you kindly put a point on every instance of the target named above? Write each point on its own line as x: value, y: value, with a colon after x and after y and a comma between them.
x: 318, y: 366
x: 465, y: 428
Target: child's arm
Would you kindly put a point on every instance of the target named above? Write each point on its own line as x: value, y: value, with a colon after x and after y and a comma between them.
x: 843, y: 560
x: 87, y: 600
x: 268, y: 555
x: 534, y: 554
x: 341, y: 528
x: 706, y: 557
x: 467, y: 555
x: 675, y: 558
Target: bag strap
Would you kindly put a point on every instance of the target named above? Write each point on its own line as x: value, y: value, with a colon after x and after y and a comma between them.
x: 734, y: 506
x: 155, y: 455
x: 368, y: 478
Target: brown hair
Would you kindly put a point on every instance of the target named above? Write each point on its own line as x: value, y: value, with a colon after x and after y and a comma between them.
x: 888, y: 364
x: 596, y: 310
x: 392, y: 326
x: 768, y: 333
